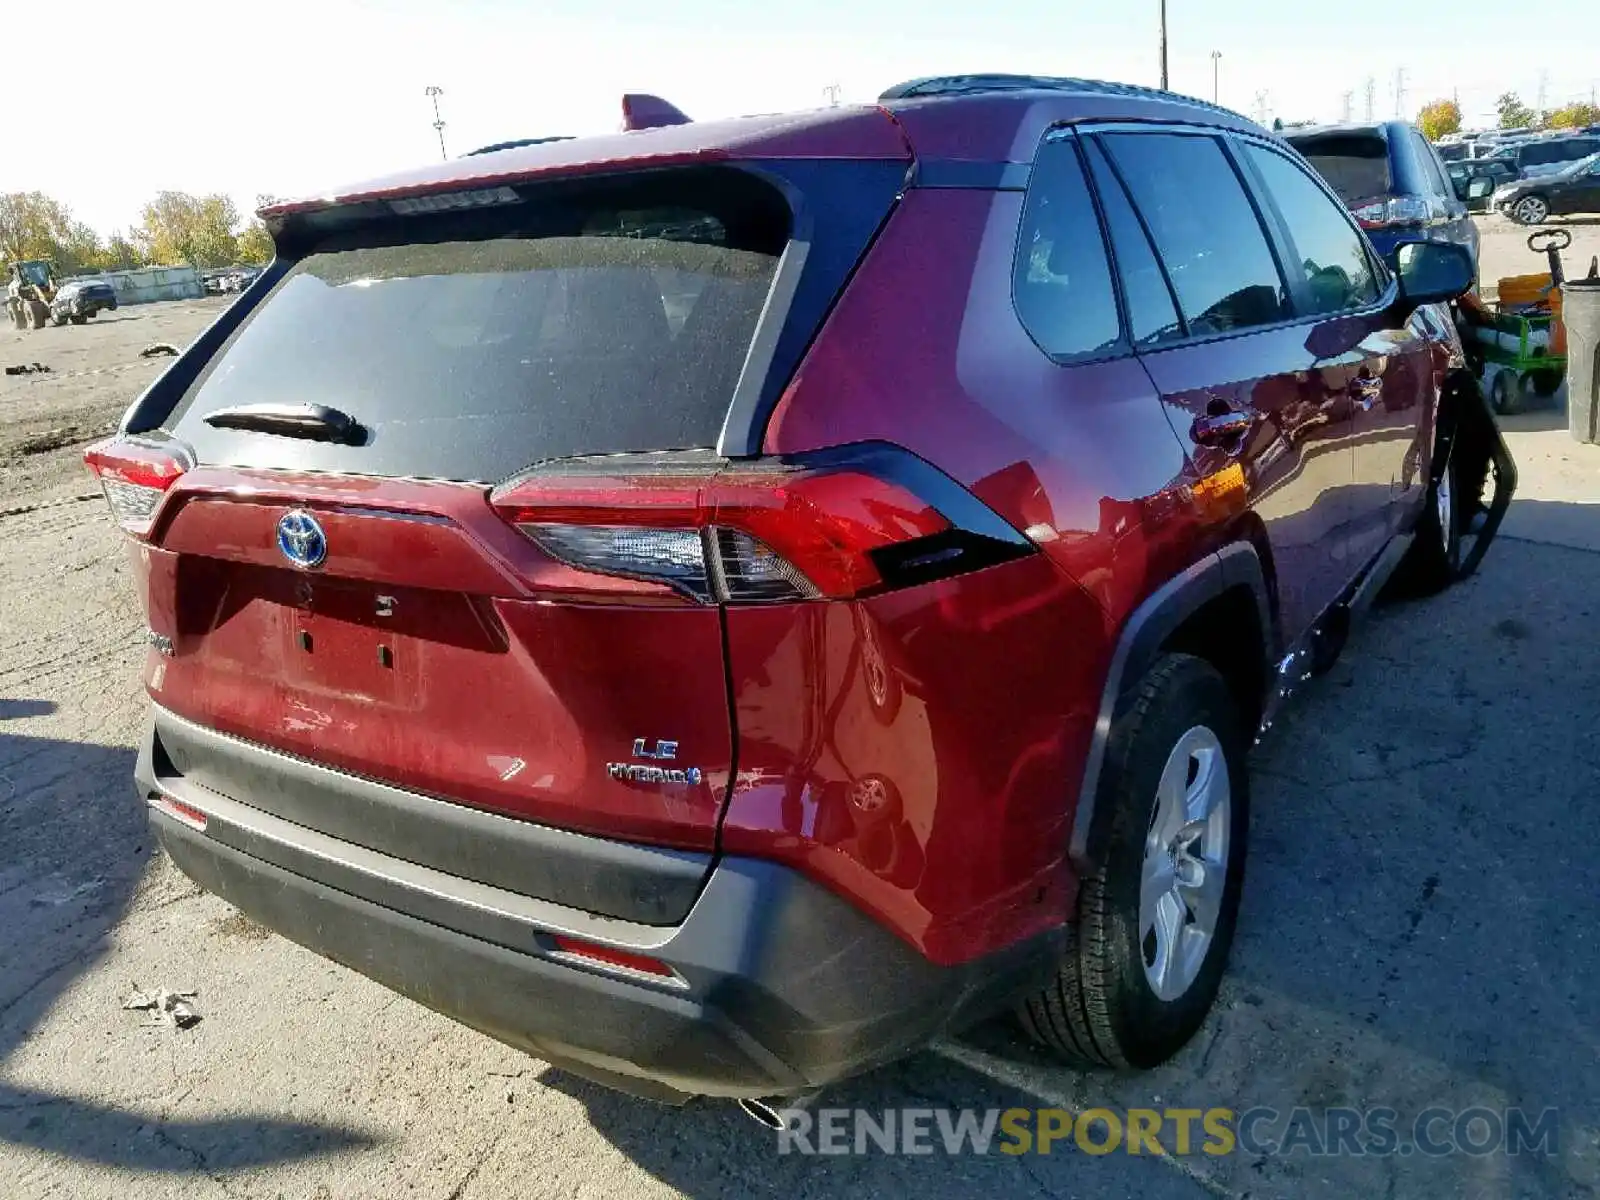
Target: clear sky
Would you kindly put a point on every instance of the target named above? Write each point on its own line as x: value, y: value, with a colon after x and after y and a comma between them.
x: 290, y: 96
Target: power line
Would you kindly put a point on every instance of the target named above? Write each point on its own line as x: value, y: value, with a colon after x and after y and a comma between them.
x: 1399, y: 92
x: 832, y: 93
x: 1347, y: 108
x: 1163, y: 45
x: 433, y: 93
x: 1372, y: 95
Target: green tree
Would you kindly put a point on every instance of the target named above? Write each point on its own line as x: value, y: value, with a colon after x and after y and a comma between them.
x: 1439, y: 118
x: 1574, y: 116
x: 176, y: 228
x: 1514, y: 114
x: 255, y: 243
x: 32, y: 225
x: 122, y: 254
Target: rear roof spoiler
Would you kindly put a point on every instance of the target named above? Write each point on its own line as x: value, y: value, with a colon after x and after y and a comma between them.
x: 640, y: 110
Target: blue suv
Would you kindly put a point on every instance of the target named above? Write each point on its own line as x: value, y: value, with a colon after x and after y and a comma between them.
x: 1392, y: 179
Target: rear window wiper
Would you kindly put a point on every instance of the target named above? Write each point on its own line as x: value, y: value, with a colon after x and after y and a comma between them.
x: 312, y: 422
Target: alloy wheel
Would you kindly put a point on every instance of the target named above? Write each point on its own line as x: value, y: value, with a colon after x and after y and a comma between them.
x: 1185, y: 868
x: 1444, y: 508
x: 1531, y: 210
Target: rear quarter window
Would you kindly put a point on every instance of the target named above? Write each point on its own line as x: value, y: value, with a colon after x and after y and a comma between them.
x: 1062, y: 279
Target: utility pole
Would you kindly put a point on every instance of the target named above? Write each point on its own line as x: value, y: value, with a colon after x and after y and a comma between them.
x: 1163, y: 45
x: 832, y: 93
x: 433, y: 93
x: 1347, y: 111
x: 1372, y: 94
x: 1216, y: 77
x: 1544, y: 92
x: 1399, y: 92
x: 1263, y: 107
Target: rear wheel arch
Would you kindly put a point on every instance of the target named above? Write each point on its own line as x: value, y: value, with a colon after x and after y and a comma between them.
x: 1219, y: 609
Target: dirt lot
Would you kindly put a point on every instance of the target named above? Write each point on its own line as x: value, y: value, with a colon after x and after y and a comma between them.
x: 1418, y: 927
x: 1503, y: 249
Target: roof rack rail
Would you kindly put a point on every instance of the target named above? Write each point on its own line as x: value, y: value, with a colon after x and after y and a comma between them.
x: 974, y: 85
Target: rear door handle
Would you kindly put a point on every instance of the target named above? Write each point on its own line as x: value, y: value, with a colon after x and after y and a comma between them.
x: 1217, y: 428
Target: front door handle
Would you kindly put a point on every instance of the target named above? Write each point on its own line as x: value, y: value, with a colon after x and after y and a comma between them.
x: 1218, y: 428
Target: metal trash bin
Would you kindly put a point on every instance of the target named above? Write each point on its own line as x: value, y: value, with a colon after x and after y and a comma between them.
x: 1581, y: 310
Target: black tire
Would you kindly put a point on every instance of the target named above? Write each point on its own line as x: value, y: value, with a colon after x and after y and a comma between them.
x: 1520, y: 219
x: 1101, y: 1008
x: 79, y: 318
x: 1543, y: 383
x: 38, y: 314
x: 1505, y: 395
x: 1434, y: 560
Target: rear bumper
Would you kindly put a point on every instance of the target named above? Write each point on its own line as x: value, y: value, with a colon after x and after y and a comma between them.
x: 779, y: 985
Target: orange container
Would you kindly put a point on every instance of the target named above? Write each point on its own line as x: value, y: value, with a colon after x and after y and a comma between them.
x: 1525, y: 289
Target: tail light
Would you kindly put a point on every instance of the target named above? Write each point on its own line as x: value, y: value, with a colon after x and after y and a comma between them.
x: 726, y: 532
x: 1394, y: 211
x: 134, y: 476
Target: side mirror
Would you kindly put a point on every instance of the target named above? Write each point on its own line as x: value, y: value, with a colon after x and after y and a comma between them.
x: 1480, y: 188
x: 1431, y: 272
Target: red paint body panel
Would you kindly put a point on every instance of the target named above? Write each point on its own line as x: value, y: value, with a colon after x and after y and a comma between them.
x: 432, y: 651
x: 1081, y: 457
x: 916, y: 751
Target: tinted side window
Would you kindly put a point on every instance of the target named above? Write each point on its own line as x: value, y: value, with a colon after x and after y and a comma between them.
x: 1327, y: 249
x: 1152, y: 316
x: 1061, y: 280
x: 1432, y: 177
x: 1205, y: 230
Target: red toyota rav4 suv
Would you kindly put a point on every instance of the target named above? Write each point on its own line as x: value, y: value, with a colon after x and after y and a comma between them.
x: 719, y: 604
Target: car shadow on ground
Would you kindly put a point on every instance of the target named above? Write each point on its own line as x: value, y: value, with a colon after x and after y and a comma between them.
x: 73, y: 847
x: 1417, y: 931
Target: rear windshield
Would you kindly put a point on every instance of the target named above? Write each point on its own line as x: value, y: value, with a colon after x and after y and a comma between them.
x: 1356, y: 166
x: 471, y: 345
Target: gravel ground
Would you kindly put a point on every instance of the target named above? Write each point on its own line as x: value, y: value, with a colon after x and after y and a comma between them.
x: 1503, y: 247
x: 1418, y: 925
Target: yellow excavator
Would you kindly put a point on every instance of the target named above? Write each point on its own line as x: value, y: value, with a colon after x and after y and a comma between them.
x: 29, y: 291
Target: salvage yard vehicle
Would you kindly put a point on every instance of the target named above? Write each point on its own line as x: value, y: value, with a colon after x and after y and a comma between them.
x: 1534, y: 201
x: 30, y: 288
x: 1543, y: 156
x: 728, y: 697
x: 79, y: 299
x: 1488, y: 174
x: 1393, y: 180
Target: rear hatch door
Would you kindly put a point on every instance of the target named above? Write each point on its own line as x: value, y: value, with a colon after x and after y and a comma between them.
x: 346, y: 594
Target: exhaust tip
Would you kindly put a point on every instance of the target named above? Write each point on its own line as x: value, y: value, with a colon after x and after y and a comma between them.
x: 762, y: 1112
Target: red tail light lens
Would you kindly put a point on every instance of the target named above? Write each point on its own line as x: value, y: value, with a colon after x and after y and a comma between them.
x: 737, y: 533
x: 610, y: 956
x: 134, y: 477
